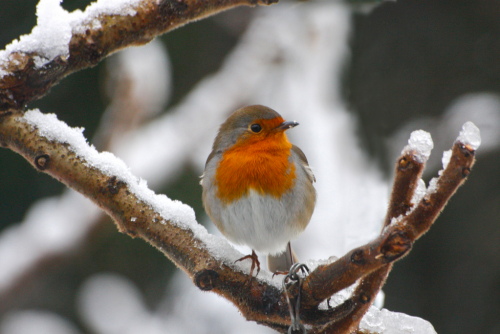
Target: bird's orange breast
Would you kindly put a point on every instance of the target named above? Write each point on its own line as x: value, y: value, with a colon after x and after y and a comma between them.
x: 262, y: 165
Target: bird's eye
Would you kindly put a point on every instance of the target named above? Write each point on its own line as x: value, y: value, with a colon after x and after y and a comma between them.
x: 255, y: 128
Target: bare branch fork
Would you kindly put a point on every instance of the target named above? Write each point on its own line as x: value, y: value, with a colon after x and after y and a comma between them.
x: 184, y: 242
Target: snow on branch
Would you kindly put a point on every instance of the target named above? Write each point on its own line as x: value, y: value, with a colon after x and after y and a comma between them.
x: 63, y: 42
x: 54, y: 226
x: 102, y: 176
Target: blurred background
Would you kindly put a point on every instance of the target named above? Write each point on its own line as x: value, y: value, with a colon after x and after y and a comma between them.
x: 358, y: 76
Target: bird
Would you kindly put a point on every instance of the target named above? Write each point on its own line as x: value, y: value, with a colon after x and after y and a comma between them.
x: 258, y: 187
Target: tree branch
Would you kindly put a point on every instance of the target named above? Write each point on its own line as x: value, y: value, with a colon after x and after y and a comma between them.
x: 408, y: 172
x: 97, y: 36
x: 397, y: 239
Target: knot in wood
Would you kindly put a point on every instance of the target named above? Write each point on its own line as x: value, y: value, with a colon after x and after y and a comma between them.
x: 357, y: 257
x: 206, y: 280
x: 403, y: 163
x: 42, y: 161
x: 467, y: 150
x: 395, y: 246
x: 364, y: 298
x: 113, y: 186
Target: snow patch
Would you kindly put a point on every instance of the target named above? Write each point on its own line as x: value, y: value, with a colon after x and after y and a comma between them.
x: 383, y: 321
x: 49, y: 38
x: 55, y: 26
x: 34, y: 321
x: 432, y: 185
x: 446, y: 158
x: 175, y: 211
x: 419, y: 192
x: 421, y: 143
x: 470, y: 135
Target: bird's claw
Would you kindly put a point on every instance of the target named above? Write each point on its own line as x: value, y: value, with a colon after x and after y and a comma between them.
x: 255, y: 262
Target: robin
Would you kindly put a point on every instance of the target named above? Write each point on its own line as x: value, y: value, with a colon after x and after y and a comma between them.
x: 258, y: 187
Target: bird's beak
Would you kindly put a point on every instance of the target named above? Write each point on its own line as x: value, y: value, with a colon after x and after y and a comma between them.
x: 287, y: 125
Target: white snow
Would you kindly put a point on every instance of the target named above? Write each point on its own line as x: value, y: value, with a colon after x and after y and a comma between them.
x: 172, y: 210
x: 419, y: 193
x: 112, y: 7
x: 148, y: 69
x: 68, y: 217
x: 397, y: 219
x: 470, y: 135
x: 421, y: 144
x: 446, y: 158
x: 382, y: 321
x: 387, y: 322
x: 481, y: 108
x: 49, y: 38
x: 394, y: 221
x: 112, y: 304
x: 432, y: 185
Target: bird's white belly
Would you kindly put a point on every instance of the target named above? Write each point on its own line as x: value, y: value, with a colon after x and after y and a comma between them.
x: 262, y: 222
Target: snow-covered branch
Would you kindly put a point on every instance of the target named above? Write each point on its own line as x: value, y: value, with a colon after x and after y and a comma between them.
x: 63, y: 42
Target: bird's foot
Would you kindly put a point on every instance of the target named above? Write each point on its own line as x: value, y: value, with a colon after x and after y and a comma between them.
x: 279, y: 272
x: 255, y: 262
x: 295, y: 267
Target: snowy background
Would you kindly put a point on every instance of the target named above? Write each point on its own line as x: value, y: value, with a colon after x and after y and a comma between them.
x: 357, y: 79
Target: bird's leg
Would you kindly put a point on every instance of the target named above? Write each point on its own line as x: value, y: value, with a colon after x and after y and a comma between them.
x: 290, y: 259
x: 278, y: 272
x: 255, y: 261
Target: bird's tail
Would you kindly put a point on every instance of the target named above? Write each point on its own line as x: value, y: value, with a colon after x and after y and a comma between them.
x: 282, y: 262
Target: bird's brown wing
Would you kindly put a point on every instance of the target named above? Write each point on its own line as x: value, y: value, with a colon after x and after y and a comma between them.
x: 305, y: 163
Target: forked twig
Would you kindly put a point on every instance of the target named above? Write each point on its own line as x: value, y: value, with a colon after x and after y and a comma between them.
x: 373, y: 262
